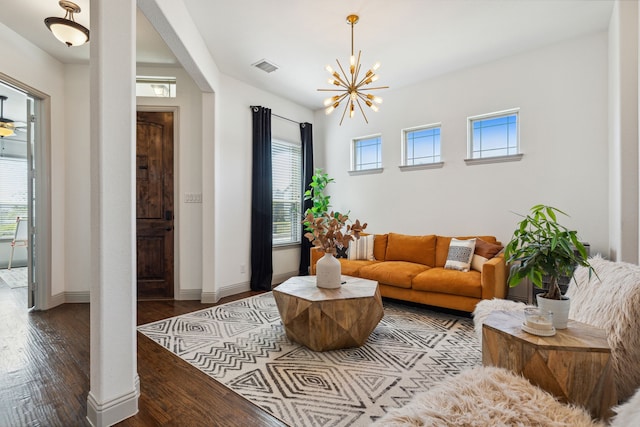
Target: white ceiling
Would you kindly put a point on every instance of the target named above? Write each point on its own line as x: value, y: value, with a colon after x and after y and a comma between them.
x: 413, y: 39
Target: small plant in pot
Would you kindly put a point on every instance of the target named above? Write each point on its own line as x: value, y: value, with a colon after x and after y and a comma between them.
x: 328, y: 232
x: 543, y: 249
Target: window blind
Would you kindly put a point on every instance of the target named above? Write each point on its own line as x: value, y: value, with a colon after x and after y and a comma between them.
x: 286, y: 161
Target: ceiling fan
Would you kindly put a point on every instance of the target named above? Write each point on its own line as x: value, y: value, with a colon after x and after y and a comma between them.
x: 7, y: 126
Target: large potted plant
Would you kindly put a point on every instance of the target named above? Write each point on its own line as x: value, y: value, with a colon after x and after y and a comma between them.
x: 315, y: 193
x: 542, y: 250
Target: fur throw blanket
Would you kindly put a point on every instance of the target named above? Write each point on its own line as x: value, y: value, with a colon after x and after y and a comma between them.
x: 486, y: 396
x: 611, y: 302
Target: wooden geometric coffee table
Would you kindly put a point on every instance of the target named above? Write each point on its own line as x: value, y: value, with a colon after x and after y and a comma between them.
x: 574, y: 364
x: 329, y: 319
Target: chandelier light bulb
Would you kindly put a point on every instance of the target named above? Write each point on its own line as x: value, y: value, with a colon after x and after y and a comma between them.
x: 353, y: 95
x: 376, y: 66
x: 329, y: 69
x: 329, y: 110
x: 331, y: 100
x: 375, y: 99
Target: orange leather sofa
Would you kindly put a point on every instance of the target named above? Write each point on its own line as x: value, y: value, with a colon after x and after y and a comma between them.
x: 411, y: 268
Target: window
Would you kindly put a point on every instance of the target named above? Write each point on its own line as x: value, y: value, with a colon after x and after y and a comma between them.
x: 494, y: 135
x: 421, y: 145
x: 156, y: 87
x: 367, y: 153
x: 286, y: 162
x: 13, y: 194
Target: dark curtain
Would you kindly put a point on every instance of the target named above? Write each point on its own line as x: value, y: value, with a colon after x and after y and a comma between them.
x: 261, y: 202
x: 306, y: 136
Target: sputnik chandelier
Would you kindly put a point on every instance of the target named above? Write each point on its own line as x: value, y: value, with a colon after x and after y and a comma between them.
x: 353, y: 88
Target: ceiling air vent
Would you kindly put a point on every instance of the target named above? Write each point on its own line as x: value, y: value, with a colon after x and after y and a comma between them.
x: 266, y: 66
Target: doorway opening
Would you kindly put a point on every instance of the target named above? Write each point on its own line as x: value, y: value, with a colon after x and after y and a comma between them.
x: 24, y: 213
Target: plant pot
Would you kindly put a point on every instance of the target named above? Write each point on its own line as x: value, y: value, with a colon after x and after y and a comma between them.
x: 328, y: 271
x: 559, y: 308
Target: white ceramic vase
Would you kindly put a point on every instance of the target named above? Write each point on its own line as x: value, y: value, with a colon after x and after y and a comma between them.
x: 328, y: 272
x: 559, y: 308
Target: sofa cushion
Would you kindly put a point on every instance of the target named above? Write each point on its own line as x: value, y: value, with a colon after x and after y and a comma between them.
x: 394, y: 273
x: 484, y: 252
x: 352, y: 267
x: 380, y: 246
x: 460, y: 254
x: 417, y: 249
x: 361, y: 248
x: 442, y: 246
x: 446, y: 281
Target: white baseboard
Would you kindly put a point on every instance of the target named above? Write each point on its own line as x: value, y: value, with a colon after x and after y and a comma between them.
x: 214, y: 297
x: 56, y: 300
x: 189, y: 294
x: 76, y: 297
x: 115, y: 410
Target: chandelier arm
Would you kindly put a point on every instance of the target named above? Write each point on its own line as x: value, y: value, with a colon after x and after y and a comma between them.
x: 362, y: 111
x: 344, y: 112
x: 357, y: 71
x: 330, y: 90
x: 373, y: 88
x: 346, y: 79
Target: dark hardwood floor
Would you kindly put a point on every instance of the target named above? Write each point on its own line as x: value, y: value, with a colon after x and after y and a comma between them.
x: 44, y: 371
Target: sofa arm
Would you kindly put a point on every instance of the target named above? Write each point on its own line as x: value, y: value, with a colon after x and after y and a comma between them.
x: 316, y: 254
x: 494, y: 278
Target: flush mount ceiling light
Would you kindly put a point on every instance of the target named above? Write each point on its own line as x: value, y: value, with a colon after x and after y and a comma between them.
x: 6, y: 125
x: 66, y: 29
x: 352, y: 87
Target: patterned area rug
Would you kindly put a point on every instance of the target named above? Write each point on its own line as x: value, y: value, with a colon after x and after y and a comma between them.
x: 15, y: 278
x: 243, y: 345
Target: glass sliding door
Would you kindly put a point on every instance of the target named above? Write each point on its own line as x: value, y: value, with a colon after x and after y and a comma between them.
x: 31, y: 202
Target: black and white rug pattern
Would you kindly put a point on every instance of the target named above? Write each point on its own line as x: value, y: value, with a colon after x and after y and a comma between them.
x: 243, y: 345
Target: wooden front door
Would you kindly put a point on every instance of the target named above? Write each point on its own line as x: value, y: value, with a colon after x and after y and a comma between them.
x: 154, y: 204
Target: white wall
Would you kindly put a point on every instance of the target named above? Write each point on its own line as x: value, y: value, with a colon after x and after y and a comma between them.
x: 623, y: 132
x: 77, y: 180
x: 33, y: 67
x: 233, y: 180
x: 561, y: 91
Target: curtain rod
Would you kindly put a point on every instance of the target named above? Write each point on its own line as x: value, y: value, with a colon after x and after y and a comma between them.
x: 284, y: 118
x: 280, y: 117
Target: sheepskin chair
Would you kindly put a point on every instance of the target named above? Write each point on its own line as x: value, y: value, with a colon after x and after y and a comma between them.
x: 610, y: 301
x: 486, y: 396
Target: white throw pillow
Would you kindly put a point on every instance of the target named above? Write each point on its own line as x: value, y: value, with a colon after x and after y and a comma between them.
x: 460, y: 254
x: 361, y: 248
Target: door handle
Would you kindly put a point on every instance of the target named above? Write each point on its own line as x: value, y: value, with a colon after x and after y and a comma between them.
x: 169, y: 228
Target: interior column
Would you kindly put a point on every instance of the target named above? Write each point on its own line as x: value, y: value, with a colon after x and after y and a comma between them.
x: 114, y: 388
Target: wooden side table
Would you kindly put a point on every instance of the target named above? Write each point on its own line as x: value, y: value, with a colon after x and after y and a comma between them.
x: 329, y: 319
x: 574, y: 365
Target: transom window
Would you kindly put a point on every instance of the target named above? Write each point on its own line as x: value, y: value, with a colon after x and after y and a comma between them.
x: 367, y: 153
x: 494, y: 135
x: 421, y: 145
x: 286, y: 164
x: 156, y: 87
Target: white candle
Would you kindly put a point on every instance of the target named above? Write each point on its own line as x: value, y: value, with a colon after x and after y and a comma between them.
x: 540, y: 322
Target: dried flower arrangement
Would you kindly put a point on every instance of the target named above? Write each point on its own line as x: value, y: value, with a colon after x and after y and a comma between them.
x: 326, y: 231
